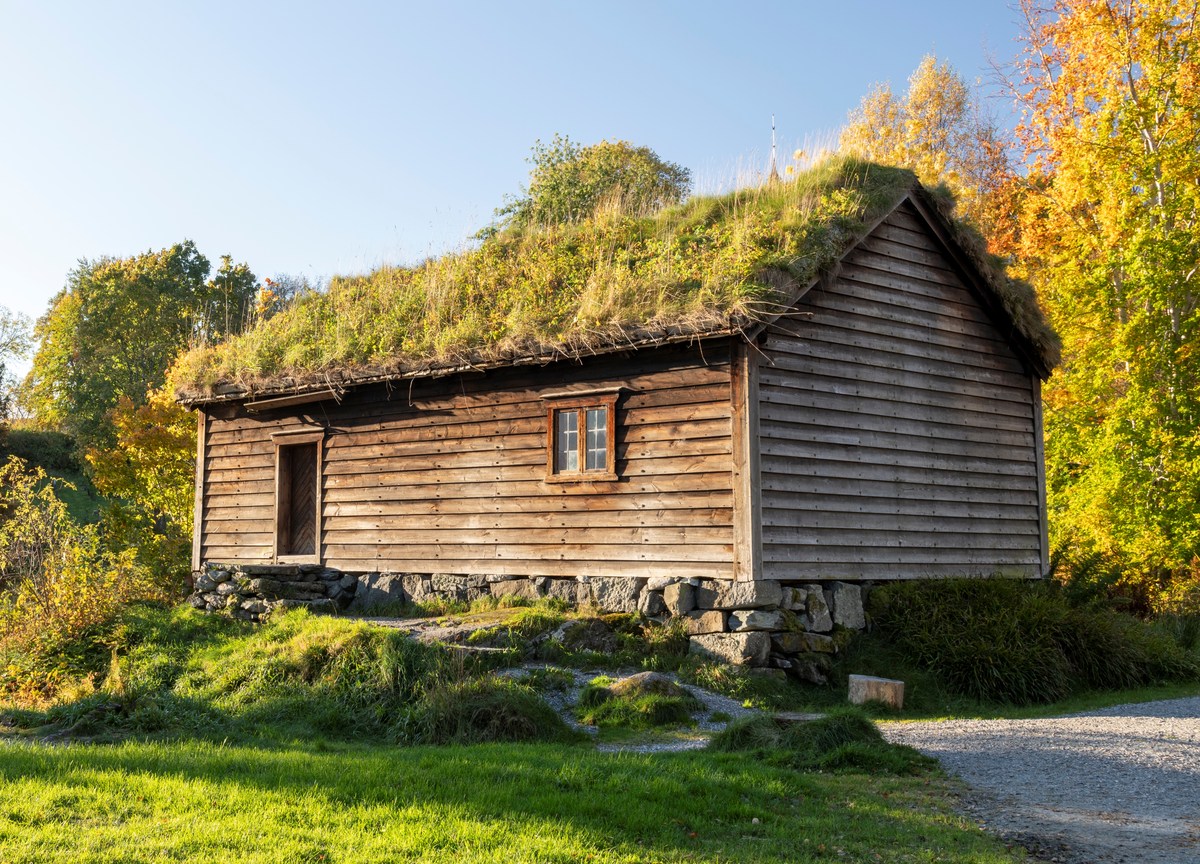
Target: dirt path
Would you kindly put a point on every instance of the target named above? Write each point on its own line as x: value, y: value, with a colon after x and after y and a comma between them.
x: 1117, y: 785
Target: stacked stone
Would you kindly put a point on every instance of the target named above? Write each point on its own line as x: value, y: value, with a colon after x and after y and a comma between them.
x: 249, y: 591
x: 777, y: 628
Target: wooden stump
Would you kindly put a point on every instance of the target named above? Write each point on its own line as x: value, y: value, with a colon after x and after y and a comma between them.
x: 866, y: 688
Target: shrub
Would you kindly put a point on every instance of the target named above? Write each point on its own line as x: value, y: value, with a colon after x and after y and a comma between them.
x: 64, y: 587
x: 1021, y: 642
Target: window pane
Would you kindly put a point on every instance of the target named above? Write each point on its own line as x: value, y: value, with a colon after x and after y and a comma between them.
x: 597, y: 439
x: 568, y: 441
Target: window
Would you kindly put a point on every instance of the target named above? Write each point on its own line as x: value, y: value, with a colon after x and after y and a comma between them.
x: 298, y: 496
x: 580, y: 437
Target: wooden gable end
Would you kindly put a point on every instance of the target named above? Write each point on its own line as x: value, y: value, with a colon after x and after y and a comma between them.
x: 900, y: 431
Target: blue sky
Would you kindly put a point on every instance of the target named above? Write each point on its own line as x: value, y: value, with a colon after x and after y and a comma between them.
x: 327, y: 138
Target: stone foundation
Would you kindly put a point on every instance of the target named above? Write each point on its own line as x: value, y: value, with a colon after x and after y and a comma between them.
x: 766, y: 624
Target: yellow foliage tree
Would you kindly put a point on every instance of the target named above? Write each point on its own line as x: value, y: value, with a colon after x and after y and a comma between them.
x: 150, y: 475
x: 939, y: 131
x: 1109, y: 229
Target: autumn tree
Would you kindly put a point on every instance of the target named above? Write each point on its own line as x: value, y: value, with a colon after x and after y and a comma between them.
x: 148, y: 475
x: 118, y: 324
x: 1109, y: 229
x: 940, y: 131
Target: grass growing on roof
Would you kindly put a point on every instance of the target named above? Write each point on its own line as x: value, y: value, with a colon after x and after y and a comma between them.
x: 570, y: 286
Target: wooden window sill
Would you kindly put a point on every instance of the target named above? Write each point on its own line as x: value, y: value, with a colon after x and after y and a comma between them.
x: 589, y: 477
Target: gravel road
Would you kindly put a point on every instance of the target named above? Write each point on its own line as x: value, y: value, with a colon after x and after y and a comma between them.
x: 1117, y: 785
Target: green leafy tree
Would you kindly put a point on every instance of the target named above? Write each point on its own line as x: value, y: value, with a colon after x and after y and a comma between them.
x: 569, y: 182
x: 115, y: 328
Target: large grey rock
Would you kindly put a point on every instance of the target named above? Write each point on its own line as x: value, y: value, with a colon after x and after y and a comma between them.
x: 807, y: 670
x: 517, y: 587
x: 737, y: 649
x: 817, y: 643
x: 816, y: 610
x: 755, y: 619
x: 205, y: 582
x: 651, y: 604
x: 680, y: 597
x: 646, y: 684
x: 795, y: 643
x: 658, y: 583
x: 867, y: 688
x: 846, y: 607
x: 219, y: 576
x: 586, y: 634
x: 416, y: 586
x: 738, y: 595
x: 701, y: 621
x: 230, y: 587
x: 197, y: 602
x: 569, y: 590
x: 378, y: 589
x: 348, y: 582
x: 616, y: 594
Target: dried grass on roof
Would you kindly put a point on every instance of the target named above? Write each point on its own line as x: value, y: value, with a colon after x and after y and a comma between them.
x: 712, y: 265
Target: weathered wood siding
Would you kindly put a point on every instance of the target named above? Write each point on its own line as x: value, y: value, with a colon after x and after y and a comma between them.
x: 897, y: 425
x: 448, y: 477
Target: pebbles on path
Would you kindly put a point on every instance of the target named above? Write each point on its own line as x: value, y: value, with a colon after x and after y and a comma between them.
x: 1120, y: 784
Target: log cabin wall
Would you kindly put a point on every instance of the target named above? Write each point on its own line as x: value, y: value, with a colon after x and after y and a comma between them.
x: 898, y: 430
x: 449, y: 477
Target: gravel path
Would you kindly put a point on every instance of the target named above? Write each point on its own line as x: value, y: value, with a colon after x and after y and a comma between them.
x: 1119, y: 784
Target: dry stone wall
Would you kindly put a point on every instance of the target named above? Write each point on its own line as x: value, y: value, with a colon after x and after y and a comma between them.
x: 789, y: 628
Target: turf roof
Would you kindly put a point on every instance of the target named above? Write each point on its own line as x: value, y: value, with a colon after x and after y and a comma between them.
x: 711, y: 266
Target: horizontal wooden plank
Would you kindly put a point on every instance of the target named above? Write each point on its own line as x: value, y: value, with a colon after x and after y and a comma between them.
x: 783, y: 421
x: 566, y: 538
x: 893, y: 313
x: 793, y: 508
x: 778, y: 438
x: 781, y: 404
x: 821, y: 539
x: 898, y: 555
x: 559, y: 569
x: 796, y: 572
x: 574, y: 519
x: 961, y: 307
x: 898, y: 232
x: 239, y: 514
x: 878, y: 244
x: 544, y: 503
x: 914, y: 290
x: 832, y: 344
x: 862, y: 257
x: 239, y: 501
x: 788, y: 388
x: 786, y: 522
x: 785, y: 366
x: 804, y: 452
x: 819, y: 318
x: 238, y: 489
x: 239, y: 475
x: 717, y: 481
x: 236, y: 554
x: 237, y: 541
x: 790, y: 473
x: 242, y: 527
x: 529, y: 552
x: 778, y: 491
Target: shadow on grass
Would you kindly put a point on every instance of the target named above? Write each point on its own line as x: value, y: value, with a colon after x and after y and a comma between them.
x: 486, y: 802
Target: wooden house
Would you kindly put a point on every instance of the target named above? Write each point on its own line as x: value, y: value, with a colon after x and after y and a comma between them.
x: 886, y: 425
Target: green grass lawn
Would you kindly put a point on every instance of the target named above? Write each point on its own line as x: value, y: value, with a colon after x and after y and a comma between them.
x: 187, y: 800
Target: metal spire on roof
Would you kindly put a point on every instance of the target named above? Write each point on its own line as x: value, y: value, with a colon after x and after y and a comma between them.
x: 773, y: 177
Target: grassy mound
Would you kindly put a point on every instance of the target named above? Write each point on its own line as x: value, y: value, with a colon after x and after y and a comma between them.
x: 599, y: 705
x: 1012, y: 641
x: 483, y: 710
x: 844, y: 740
x: 177, y: 671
